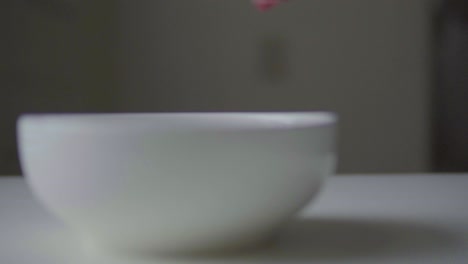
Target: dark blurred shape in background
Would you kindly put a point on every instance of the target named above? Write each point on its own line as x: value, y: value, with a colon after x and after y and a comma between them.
x: 396, y: 71
x: 451, y: 94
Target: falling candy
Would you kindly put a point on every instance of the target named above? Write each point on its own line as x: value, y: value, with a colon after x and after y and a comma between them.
x: 264, y: 5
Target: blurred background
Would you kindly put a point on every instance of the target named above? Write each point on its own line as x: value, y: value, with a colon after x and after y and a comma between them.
x: 396, y: 71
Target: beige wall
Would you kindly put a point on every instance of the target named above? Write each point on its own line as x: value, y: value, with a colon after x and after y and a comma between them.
x: 368, y: 60
x: 56, y: 57
x: 365, y: 59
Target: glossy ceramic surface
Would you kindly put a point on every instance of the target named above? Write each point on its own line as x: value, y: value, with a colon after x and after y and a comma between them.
x: 176, y: 183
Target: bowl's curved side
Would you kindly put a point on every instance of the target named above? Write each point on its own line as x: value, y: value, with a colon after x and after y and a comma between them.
x: 176, y: 192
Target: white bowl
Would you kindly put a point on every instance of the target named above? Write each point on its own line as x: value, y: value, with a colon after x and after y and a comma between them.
x: 176, y: 182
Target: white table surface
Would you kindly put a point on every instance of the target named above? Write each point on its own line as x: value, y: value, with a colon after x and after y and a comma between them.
x: 357, y: 219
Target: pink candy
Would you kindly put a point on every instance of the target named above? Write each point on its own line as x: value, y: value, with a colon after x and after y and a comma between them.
x: 264, y: 5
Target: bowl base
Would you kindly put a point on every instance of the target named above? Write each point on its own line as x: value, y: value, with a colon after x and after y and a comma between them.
x: 225, y: 249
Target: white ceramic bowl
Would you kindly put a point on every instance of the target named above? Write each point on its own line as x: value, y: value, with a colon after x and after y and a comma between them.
x: 176, y: 182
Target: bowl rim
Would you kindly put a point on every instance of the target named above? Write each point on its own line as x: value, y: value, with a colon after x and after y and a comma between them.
x: 175, y: 121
